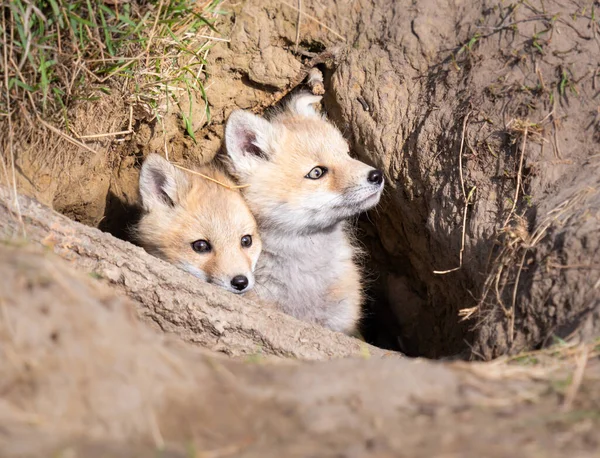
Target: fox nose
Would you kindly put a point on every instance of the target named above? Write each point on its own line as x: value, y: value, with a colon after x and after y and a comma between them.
x: 239, y: 282
x: 375, y: 176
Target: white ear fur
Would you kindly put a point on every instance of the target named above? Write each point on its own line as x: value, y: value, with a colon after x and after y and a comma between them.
x: 302, y: 104
x: 247, y: 139
x: 159, y: 181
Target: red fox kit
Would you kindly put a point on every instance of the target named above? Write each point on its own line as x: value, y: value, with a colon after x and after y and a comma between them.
x: 301, y: 186
x: 198, y: 225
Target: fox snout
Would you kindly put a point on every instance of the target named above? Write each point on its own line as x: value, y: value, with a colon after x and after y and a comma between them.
x: 364, y: 187
x: 237, y: 284
x: 375, y: 180
x: 375, y: 177
x: 208, y: 271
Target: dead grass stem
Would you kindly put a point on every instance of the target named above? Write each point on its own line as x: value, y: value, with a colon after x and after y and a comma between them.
x: 516, y: 243
x: 195, y: 172
x: 298, y: 22
x: 312, y: 18
x: 519, y: 176
x: 466, y: 198
x: 11, y: 147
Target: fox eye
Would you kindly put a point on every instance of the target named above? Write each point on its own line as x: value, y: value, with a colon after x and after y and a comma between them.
x: 247, y: 241
x: 201, y: 246
x: 316, y: 173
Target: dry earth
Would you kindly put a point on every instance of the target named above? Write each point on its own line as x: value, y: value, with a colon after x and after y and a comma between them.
x: 81, y: 377
x: 483, y: 113
x: 484, y: 117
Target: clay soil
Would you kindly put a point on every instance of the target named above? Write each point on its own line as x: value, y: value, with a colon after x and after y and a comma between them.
x: 484, y: 117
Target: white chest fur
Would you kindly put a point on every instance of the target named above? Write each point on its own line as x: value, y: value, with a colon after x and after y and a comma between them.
x: 300, y: 272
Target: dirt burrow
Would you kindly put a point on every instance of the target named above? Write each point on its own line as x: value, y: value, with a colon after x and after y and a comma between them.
x: 409, y: 84
x: 82, y: 377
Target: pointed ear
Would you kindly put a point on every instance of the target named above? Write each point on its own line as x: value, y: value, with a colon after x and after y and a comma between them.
x: 161, y: 183
x: 303, y: 105
x: 247, y: 139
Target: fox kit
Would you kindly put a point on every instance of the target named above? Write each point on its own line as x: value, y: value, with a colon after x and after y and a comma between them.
x: 197, y: 224
x: 302, y: 185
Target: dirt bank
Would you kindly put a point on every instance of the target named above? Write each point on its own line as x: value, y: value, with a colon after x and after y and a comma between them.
x: 483, y: 117
x: 82, y: 377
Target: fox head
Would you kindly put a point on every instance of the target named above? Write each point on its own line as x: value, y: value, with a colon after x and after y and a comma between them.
x: 300, y: 177
x: 198, y: 225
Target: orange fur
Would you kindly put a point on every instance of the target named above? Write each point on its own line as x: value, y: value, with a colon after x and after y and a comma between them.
x: 307, y: 267
x: 189, y: 207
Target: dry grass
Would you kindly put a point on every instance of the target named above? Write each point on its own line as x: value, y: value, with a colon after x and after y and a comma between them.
x: 206, y: 177
x: 466, y: 197
x: 516, y: 242
x: 559, y: 369
x: 57, y: 54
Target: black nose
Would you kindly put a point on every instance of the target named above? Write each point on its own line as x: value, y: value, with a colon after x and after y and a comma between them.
x: 239, y: 282
x: 375, y: 177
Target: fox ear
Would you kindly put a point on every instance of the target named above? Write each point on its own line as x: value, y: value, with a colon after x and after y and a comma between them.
x: 160, y: 182
x: 302, y: 104
x: 247, y: 139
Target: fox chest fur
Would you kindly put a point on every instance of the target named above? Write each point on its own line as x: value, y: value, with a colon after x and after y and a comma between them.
x: 312, y: 277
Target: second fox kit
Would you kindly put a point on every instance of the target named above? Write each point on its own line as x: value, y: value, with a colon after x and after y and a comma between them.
x: 197, y: 224
x: 301, y: 186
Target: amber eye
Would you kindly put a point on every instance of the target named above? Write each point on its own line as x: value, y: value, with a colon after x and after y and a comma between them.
x: 247, y: 241
x: 201, y: 246
x: 316, y: 173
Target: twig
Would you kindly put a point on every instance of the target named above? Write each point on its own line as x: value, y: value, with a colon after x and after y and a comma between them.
x: 65, y: 136
x: 160, y: 5
x: 555, y: 125
x: 497, y: 289
x: 209, y: 37
x: 232, y: 187
x: 130, y: 126
x: 466, y: 313
x: 462, y: 244
x: 538, y: 72
x: 123, y: 58
x: 312, y: 18
x: 462, y: 143
x: 577, y: 379
x: 514, y: 299
x: 298, y: 25
x: 465, y: 197
x: 514, y: 204
x: 162, y: 124
x: 108, y: 134
x: 118, y: 69
x: 511, y: 24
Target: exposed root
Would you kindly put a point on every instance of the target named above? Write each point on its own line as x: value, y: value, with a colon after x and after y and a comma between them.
x: 464, y: 230
x: 467, y: 199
